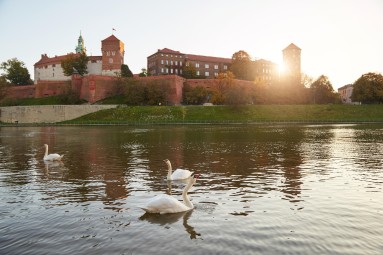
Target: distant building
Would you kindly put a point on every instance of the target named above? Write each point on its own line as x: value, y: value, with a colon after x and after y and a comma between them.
x: 292, y: 64
x: 266, y: 71
x: 49, y: 68
x: 167, y: 61
x: 345, y: 93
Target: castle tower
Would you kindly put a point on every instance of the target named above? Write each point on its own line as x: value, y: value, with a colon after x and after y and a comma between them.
x: 80, y: 48
x: 292, y: 64
x: 112, y: 55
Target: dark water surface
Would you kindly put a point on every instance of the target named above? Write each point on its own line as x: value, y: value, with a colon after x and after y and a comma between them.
x: 306, y: 189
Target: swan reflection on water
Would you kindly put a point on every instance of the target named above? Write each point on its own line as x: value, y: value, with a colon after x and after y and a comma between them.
x: 53, y: 167
x: 171, y: 218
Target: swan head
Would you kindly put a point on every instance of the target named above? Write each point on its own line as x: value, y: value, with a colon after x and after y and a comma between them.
x: 45, y: 145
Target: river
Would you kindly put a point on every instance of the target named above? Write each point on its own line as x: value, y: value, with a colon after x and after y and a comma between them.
x: 262, y: 189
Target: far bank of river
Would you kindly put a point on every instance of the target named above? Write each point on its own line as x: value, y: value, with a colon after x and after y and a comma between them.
x: 123, y: 115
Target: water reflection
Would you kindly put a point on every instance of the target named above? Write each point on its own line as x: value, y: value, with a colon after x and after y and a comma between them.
x: 280, y: 180
x: 172, y: 218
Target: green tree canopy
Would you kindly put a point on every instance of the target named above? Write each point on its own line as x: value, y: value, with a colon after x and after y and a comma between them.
x: 125, y: 71
x: 75, y: 63
x: 4, y: 85
x: 144, y: 73
x: 16, y: 72
x: 195, y: 96
x: 189, y: 71
x: 241, y: 66
x: 322, y: 91
x: 368, y: 89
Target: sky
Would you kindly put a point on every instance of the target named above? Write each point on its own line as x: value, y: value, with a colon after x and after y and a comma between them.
x: 341, y: 39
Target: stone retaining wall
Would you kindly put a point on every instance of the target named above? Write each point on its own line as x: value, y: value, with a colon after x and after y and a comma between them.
x: 47, y: 113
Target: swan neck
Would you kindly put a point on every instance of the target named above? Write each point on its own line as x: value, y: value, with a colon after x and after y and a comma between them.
x: 169, y: 170
x: 185, y: 196
x: 46, y: 150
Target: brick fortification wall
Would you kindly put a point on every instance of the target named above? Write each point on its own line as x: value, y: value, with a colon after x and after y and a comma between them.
x: 175, y: 83
x: 51, y: 88
x: 20, y: 92
x: 96, y: 87
x: 216, y: 84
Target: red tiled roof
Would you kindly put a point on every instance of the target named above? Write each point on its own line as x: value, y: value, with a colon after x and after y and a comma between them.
x: 169, y: 51
x: 45, y: 60
x: 111, y: 38
x: 208, y: 58
x: 292, y: 46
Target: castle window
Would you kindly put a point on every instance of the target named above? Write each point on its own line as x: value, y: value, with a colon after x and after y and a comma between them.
x: 225, y: 67
x: 207, y: 74
x: 108, y: 53
x: 215, y: 66
x: 110, y: 60
x: 206, y: 65
x: 162, y: 61
x: 197, y: 73
x: 197, y: 65
x: 113, y: 53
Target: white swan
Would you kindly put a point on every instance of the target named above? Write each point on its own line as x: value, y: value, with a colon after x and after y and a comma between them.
x: 178, y: 174
x: 167, y: 204
x: 51, y: 157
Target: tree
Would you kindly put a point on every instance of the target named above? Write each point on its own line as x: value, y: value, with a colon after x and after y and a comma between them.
x: 196, y: 96
x: 4, y: 86
x: 75, y: 63
x: 306, y: 80
x: 189, y: 71
x: 125, y: 71
x: 16, y: 72
x: 368, y: 89
x: 322, y: 91
x: 144, y: 73
x: 241, y: 66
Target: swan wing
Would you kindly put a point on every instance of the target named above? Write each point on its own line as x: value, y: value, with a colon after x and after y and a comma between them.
x: 180, y: 174
x: 53, y: 157
x: 164, y: 204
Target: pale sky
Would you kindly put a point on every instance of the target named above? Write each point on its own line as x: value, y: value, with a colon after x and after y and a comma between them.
x: 341, y: 39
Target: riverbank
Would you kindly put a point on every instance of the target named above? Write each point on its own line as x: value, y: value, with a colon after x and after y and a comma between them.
x: 250, y: 114
x: 234, y: 114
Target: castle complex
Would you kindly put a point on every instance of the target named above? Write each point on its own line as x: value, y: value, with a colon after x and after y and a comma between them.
x: 49, y: 68
x: 165, y: 64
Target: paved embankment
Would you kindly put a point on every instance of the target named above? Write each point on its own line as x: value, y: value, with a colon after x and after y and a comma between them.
x: 47, y: 113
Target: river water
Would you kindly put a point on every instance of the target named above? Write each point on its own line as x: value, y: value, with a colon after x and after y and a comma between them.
x: 262, y: 189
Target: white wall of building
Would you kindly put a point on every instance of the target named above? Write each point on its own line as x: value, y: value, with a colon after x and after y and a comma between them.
x: 54, y: 72
x: 50, y: 73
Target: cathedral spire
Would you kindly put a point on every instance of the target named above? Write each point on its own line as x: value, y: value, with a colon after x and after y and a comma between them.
x: 80, y: 48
